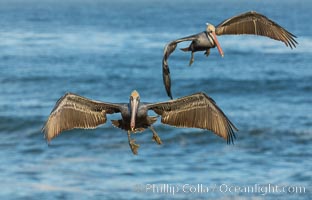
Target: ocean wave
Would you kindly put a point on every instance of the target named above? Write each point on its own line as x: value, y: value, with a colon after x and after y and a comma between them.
x: 258, y: 44
x: 107, y: 42
x: 82, y: 40
x: 249, y: 87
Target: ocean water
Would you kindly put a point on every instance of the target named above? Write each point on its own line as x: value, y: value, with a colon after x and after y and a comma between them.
x: 105, y: 49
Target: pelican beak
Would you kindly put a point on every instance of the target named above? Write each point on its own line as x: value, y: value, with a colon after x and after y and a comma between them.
x: 217, y: 43
x: 134, y: 108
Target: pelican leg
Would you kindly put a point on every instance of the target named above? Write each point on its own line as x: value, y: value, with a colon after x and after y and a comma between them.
x: 192, y: 58
x: 155, y: 137
x: 133, y: 146
x: 207, y: 52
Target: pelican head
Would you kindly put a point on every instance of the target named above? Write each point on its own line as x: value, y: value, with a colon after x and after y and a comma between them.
x: 134, y: 94
x: 134, y: 105
x: 211, y: 30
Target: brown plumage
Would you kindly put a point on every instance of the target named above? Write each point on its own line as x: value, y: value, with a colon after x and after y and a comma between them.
x: 256, y: 24
x: 74, y: 111
x: 247, y: 23
x: 194, y: 111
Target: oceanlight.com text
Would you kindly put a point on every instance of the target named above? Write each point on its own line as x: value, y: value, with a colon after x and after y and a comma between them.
x: 258, y: 189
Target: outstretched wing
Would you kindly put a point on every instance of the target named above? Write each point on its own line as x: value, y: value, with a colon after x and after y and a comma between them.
x: 74, y: 111
x: 256, y: 24
x: 196, y: 111
x: 169, y: 48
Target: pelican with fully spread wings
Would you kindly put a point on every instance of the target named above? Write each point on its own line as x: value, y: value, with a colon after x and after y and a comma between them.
x: 197, y: 111
x: 247, y: 23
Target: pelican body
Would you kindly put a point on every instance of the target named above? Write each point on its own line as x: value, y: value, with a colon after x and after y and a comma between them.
x: 247, y: 23
x: 197, y: 111
x: 203, y: 41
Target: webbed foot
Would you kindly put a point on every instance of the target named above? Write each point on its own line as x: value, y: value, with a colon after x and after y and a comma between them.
x: 192, y: 59
x: 207, y: 52
x: 133, y: 146
x: 155, y: 137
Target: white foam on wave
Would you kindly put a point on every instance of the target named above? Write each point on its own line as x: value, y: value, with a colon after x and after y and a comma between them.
x: 34, y: 42
x: 50, y: 188
x: 108, y: 41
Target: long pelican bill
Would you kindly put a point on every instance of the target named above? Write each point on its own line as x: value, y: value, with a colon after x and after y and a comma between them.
x: 217, y: 44
x: 134, y: 108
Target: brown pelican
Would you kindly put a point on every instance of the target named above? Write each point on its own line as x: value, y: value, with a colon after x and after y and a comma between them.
x: 246, y: 23
x: 197, y: 110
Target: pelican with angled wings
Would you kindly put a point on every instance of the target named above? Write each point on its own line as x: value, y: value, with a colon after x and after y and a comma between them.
x: 247, y: 23
x: 197, y: 111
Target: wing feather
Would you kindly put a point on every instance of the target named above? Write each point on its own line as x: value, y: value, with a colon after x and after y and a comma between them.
x: 169, y: 48
x: 196, y: 111
x: 74, y: 111
x: 256, y: 24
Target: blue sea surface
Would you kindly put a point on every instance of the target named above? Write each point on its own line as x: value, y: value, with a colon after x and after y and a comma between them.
x: 105, y: 49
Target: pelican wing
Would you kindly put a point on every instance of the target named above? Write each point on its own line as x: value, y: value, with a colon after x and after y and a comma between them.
x: 196, y: 111
x: 169, y: 48
x: 256, y: 24
x: 74, y: 111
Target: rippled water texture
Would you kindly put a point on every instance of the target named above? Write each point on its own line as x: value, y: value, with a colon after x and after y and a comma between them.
x: 105, y: 49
